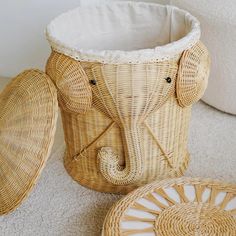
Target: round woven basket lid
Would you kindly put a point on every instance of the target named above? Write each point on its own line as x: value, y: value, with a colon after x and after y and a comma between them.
x: 28, y: 117
x: 175, y: 207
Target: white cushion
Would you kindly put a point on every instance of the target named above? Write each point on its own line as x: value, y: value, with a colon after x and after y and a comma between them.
x: 218, y: 25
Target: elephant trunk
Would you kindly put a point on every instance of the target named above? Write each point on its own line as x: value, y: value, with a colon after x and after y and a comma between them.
x: 132, y: 171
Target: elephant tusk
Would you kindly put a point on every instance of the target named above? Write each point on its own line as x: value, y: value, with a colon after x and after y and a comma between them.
x: 159, y: 145
x: 100, y: 136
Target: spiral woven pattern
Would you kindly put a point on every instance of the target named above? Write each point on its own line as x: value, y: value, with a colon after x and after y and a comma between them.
x: 193, y: 74
x: 28, y: 117
x: 202, y: 219
x: 175, y: 207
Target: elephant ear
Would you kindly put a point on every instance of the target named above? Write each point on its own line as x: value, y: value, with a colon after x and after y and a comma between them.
x: 192, y: 78
x: 74, y: 91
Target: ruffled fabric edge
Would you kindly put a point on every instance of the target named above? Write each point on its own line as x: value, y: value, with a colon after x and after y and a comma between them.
x: 159, y: 53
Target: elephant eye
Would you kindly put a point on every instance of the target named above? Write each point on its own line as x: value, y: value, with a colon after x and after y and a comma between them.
x: 168, y: 80
x: 93, y: 81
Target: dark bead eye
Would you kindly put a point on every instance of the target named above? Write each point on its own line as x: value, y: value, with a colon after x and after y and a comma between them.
x: 168, y: 80
x: 93, y: 82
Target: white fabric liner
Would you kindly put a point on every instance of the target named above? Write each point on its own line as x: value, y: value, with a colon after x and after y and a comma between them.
x: 123, y: 32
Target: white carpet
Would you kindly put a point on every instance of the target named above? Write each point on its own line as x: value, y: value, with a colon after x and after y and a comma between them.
x: 58, y: 206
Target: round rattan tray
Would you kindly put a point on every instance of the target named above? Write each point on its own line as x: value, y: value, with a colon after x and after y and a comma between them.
x: 179, y: 207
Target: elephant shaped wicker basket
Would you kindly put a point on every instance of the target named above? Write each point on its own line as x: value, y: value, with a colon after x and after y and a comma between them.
x: 126, y: 75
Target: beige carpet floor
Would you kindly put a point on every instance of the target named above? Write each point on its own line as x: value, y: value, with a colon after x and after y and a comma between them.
x: 58, y: 206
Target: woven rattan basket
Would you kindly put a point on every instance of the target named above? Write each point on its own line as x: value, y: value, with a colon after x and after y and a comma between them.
x: 127, y: 74
x: 175, y: 207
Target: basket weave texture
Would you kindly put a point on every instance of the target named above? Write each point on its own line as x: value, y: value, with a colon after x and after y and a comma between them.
x: 179, y: 207
x: 28, y: 117
x: 126, y: 125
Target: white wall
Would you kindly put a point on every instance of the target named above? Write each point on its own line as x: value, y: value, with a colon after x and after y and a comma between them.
x: 22, y: 24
